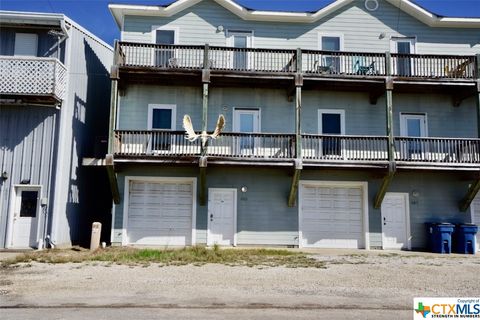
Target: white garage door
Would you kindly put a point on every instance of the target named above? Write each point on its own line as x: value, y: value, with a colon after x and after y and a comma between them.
x: 160, y: 213
x: 331, y: 216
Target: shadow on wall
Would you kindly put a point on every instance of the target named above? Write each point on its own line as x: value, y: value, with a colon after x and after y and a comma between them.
x: 89, y: 195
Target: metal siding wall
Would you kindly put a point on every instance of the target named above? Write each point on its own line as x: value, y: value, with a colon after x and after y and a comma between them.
x: 198, y: 25
x: 88, y: 92
x: 27, y: 136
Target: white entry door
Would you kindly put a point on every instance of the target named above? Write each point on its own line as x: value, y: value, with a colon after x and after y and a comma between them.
x: 414, y: 126
x: 395, y: 221
x: 25, y: 218
x: 475, y: 209
x: 222, y: 217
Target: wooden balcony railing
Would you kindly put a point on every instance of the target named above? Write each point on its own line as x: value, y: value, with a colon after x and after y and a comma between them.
x: 253, y: 145
x: 433, y: 66
x: 155, y: 143
x: 253, y: 60
x: 437, y: 150
x: 314, y: 62
x: 344, y: 148
x: 315, y: 148
x: 32, y: 76
x: 343, y: 63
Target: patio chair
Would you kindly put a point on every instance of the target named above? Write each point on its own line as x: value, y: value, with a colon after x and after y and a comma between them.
x: 322, y: 69
x: 360, y: 68
x: 460, y: 71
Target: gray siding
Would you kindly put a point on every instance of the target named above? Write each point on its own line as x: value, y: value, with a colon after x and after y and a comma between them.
x: 263, y: 217
x: 84, y: 117
x: 27, y: 139
x: 277, y: 113
x: 198, y: 25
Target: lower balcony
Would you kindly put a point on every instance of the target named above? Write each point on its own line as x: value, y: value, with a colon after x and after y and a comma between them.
x: 317, y: 150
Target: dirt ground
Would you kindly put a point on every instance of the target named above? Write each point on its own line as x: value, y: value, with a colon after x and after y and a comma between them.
x: 354, y: 285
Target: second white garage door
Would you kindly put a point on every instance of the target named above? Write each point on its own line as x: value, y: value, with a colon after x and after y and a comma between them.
x: 160, y: 212
x: 331, y: 216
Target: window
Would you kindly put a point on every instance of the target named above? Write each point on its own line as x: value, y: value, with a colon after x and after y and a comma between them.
x: 241, y: 40
x: 161, y: 118
x: 404, y: 47
x: 29, y: 203
x: 330, y: 123
x: 164, y: 54
x: 26, y: 44
x: 415, y: 126
x: 330, y: 62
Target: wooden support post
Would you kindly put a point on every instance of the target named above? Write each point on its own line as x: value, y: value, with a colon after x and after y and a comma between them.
x: 391, y: 143
x: 471, y: 194
x: 203, y: 158
x: 292, y: 197
x: 112, y: 178
x: 203, y: 181
x: 113, y: 116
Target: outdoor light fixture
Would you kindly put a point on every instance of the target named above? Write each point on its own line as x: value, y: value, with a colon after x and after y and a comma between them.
x: 244, y: 189
x: 25, y: 181
x: 220, y: 28
x: 382, y: 35
x: 415, y: 193
x: 4, y: 175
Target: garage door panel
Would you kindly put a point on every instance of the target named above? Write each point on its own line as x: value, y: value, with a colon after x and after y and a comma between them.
x: 332, y: 216
x: 160, y: 213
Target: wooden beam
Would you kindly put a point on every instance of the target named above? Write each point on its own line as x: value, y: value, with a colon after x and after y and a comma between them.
x: 203, y: 181
x: 391, y: 143
x: 112, y: 178
x: 383, y: 189
x: 471, y: 194
x: 292, y: 197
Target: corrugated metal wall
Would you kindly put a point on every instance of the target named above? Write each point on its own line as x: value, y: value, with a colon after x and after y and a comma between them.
x: 27, y: 138
x: 85, y: 113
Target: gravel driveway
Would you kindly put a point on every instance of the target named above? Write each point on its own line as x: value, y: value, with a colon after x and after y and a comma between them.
x: 354, y: 285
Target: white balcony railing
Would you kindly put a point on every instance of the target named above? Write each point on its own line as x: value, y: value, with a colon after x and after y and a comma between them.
x: 32, y: 76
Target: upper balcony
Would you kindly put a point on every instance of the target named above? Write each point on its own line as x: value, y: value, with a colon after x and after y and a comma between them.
x: 33, y: 79
x: 317, y: 150
x: 145, y: 61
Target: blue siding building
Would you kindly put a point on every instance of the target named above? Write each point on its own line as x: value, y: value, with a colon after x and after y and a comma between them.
x: 350, y: 127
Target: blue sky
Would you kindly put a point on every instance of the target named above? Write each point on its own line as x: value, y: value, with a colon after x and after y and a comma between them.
x: 94, y: 14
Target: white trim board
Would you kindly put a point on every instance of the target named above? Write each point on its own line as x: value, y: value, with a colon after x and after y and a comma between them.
x: 126, y: 194
x: 341, y: 112
x: 118, y: 11
x: 172, y: 107
x: 318, y: 183
x: 176, y: 32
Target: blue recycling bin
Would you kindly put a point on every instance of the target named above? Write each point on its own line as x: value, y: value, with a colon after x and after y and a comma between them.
x: 440, y: 237
x: 464, y: 238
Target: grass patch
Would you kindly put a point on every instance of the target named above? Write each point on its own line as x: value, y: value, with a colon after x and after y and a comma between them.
x: 197, y: 256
